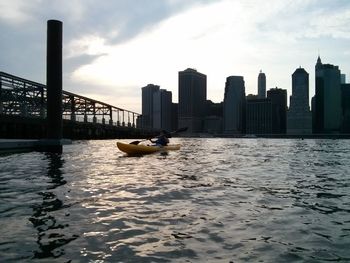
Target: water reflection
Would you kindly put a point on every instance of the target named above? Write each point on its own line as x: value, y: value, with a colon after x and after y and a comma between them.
x: 214, y: 200
x: 47, y: 218
x: 54, y: 170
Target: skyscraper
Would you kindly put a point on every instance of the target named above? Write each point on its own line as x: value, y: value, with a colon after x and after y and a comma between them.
x: 299, y: 119
x: 213, y: 119
x: 259, y: 116
x: 261, y: 85
x: 278, y: 99
x: 147, y: 105
x: 162, y: 110
x: 345, y: 90
x: 234, y: 105
x: 192, y: 99
x: 342, y: 78
x: 328, y: 111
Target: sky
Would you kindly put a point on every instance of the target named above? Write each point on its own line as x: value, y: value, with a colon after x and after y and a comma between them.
x: 113, y: 48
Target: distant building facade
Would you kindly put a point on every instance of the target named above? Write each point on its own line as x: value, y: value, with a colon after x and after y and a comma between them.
x: 342, y: 78
x: 258, y: 116
x: 261, y: 85
x: 234, y: 105
x: 328, y: 112
x: 192, y: 100
x: 299, y: 118
x: 278, y: 98
x: 174, y: 116
x: 345, y: 90
x: 147, y: 105
x: 213, y: 119
x: 162, y: 110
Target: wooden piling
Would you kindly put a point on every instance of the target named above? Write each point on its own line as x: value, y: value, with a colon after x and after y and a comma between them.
x: 54, y: 83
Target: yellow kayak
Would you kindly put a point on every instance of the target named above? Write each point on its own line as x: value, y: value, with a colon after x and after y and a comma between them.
x: 145, y: 149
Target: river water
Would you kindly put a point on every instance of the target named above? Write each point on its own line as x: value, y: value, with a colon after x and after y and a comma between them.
x: 215, y: 200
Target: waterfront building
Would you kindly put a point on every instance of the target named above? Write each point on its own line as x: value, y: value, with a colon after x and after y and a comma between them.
x: 261, y: 85
x: 251, y: 97
x: 234, y: 105
x: 139, y: 121
x: 192, y: 100
x: 162, y: 107
x: 212, y: 125
x: 214, y: 109
x: 328, y: 113
x: 174, y: 116
x: 342, y: 78
x: 213, y: 119
x: 259, y: 115
x: 147, y: 105
x: 278, y: 99
x: 299, y: 119
x: 345, y: 95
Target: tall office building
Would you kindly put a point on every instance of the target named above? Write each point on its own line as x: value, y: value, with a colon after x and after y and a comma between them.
x: 174, y: 116
x: 261, y: 85
x: 259, y: 116
x: 213, y: 119
x: 299, y: 119
x: 234, y: 105
x: 328, y: 112
x: 162, y: 110
x: 192, y: 100
x: 278, y: 99
x: 345, y: 96
x: 147, y: 105
x: 342, y: 78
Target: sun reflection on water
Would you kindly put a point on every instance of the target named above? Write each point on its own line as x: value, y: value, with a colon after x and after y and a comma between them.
x: 214, y: 199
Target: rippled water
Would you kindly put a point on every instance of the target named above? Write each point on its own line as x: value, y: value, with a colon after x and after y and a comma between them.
x: 215, y: 200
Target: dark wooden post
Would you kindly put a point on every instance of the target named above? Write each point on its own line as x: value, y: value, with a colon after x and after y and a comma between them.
x: 54, y: 82
x: 1, y: 103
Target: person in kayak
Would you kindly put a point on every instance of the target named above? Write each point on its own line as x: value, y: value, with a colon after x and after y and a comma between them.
x: 162, y: 139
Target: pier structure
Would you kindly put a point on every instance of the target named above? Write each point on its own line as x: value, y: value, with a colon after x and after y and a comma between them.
x: 25, y: 98
x: 25, y: 102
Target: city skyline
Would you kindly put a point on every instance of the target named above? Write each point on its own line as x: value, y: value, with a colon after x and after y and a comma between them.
x: 114, y: 48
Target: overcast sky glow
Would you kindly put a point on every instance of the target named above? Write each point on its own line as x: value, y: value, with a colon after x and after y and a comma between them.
x: 112, y: 48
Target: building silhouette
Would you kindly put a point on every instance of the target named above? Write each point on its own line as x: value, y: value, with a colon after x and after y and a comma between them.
x: 345, y: 90
x: 234, y: 105
x: 213, y: 119
x: 259, y: 115
x: 261, y: 85
x: 147, y: 105
x: 328, y: 113
x: 299, y: 118
x: 342, y: 78
x: 278, y: 98
x: 174, y: 116
x: 192, y: 100
x: 162, y: 110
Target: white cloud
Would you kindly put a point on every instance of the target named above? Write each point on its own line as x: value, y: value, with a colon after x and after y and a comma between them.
x: 189, y: 39
x: 116, y: 51
x: 334, y: 25
x: 87, y: 45
x: 15, y: 11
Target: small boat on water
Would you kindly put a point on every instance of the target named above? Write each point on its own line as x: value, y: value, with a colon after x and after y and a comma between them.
x: 139, y: 149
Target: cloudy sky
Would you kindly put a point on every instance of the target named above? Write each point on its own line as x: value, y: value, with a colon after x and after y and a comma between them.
x: 112, y: 48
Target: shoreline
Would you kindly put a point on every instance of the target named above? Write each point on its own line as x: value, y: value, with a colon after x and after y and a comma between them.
x: 270, y: 136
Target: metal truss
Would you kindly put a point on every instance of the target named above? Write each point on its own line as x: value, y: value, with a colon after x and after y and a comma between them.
x: 27, y: 98
x: 21, y: 97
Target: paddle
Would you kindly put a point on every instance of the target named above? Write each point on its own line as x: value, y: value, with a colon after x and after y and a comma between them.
x: 173, y: 132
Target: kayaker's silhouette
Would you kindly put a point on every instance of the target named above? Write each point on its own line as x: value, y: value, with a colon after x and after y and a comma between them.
x: 168, y: 135
x: 162, y: 138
